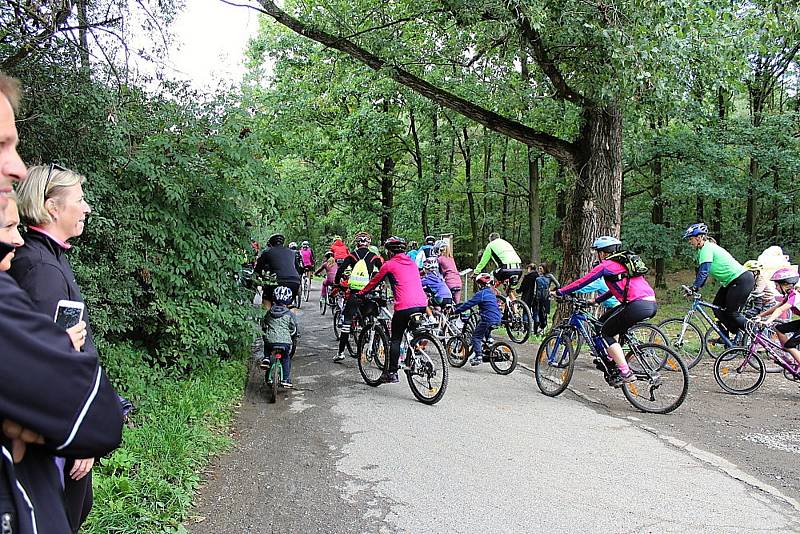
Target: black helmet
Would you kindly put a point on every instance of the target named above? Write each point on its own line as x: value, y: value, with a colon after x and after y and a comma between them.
x: 276, y: 240
x: 430, y: 240
x: 395, y: 245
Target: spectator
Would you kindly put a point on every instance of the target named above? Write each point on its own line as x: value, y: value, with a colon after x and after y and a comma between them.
x: 54, y: 400
x: 53, y: 207
x: 528, y: 290
x: 542, y: 296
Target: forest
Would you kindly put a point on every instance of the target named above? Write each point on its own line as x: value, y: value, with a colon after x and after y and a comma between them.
x: 550, y: 123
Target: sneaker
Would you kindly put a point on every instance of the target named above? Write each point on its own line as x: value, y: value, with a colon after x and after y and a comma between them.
x: 339, y: 357
x: 628, y: 377
x: 287, y: 384
x: 475, y: 361
x: 389, y: 378
x: 265, y: 363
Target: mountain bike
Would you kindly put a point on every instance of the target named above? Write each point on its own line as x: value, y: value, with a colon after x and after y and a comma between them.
x: 662, y: 381
x: 517, y: 316
x: 447, y: 327
x: 740, y: 370
x: 499, y: 354
x: 686, y: 337
x: 422, y: 357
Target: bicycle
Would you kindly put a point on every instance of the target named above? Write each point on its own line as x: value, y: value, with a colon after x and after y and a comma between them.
x: 685, y: 336
x: 516, y: 314
x: 273, y: 376
x: 448, y: 328
x: 499, y: 354
x: 305, y: 284
x: 741, y: 370
x: 421, y: 355
x: 662, y: 380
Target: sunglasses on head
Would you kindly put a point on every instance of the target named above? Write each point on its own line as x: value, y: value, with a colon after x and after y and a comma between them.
x: 53, y: 166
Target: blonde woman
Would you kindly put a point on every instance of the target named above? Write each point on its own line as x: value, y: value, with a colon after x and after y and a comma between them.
x: 52, y: 205
x: 448, y: 269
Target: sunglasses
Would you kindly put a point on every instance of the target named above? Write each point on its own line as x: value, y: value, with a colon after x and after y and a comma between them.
x: 53, y: 166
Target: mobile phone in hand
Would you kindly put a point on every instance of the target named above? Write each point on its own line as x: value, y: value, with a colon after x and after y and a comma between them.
x: 68, y: 313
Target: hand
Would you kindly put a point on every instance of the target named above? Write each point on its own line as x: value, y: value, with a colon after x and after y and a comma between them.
x: 592, y: 301
x: 81, y: 468
x: 77, y: 334
x: 19, y: 437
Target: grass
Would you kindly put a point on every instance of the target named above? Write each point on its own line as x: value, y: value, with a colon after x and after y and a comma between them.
x: 147, y: 485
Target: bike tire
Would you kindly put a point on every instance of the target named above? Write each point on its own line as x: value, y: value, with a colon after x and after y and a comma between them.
x: 429, y: 374
x: 273, y: 379
x: 739, y: 372
x: 337, y: 313
x: 307, y: 290
x: 502, y: 358
x: 646, y: 333
x: 518, y: 321
x: 662, y: 379
x: 323, y: 306
x: 713, y: 349
x: 373, y: 355
x: 688, y: 343
x: 553, y: 377
x: 457, y: 350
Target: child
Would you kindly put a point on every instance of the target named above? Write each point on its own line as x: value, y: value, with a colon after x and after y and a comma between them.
x: 434, y: 284
x: 329, y: 266
x: 280, y: 328
x: 786, y: 281
x: 486, y: 300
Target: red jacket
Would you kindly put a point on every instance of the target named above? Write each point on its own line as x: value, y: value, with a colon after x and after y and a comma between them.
x: 339, y: 250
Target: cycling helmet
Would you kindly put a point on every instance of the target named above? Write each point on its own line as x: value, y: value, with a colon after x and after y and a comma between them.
x: 282, y: 295
x: 293, y: 245
x: 276, y: 240
x: 439, y: 246
x: 431, y: 264
x: 787, y: 275
x: 430, y: 240
x: 395, y: 245
x: 363, y: 239
x: 753, y: 265
x: 305, y: 244
x: 606, y: 243
x: 696, y: 229
x: 328, y: 254
x: 483, y: 279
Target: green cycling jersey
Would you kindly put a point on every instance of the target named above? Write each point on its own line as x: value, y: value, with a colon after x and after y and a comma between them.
x: 501, y: 252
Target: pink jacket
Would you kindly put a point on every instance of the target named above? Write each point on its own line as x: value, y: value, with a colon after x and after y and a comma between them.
x: 447, y: 266
x: 608, y: 269
x: 403, y: 275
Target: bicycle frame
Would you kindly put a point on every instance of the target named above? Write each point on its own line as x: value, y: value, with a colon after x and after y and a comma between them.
x: 697, y: 308
x: 776, y: 352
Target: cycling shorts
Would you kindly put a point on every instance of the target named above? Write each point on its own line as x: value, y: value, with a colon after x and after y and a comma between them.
x: 508, y: 272
x: 792, y: 327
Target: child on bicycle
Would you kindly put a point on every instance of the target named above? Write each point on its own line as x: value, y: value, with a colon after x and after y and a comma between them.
x: 786, y: 281
x: 434, y: 284
x: 280, y: 331
x: 329, y: 266
x: 486, y: 301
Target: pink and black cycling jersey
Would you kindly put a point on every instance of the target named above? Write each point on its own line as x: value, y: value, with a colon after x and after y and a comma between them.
x: 610, y: 270
x: 403, y: 275
x: 793, y: 299
x: 307, y: 256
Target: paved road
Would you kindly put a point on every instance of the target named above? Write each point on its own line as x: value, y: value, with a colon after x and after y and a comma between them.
x: 493, y: 456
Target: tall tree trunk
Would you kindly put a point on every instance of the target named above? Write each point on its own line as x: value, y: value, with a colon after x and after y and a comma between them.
x: 534, y: 209
x: 561, y: 210
x: 504, y: 172
x: 487, y: 171
x: 473, y: 220
x: 418, y: 161
x: 595, y: 206
x: 437, y: 164
x: 83, y: 23
x: 699, y: 209
x: 387, y: 198
x: 658, y: 218
x: 716, y: 221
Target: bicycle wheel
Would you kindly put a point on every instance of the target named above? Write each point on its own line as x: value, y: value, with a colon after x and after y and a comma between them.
x: 555, y: 363
x: 373, y: 355
x: 685, y: 338
x: 502, y: 358
x: 337, y: 314
x: 428, y: 375
x: 645, y: 333
x: 738, y: 371
x: 518, y: 321
x: 323, y: 305
x: 714, y: 344
x: 457, y: 351
x: 306, y: 288
x: 273, y: 378
x: 662, y: 380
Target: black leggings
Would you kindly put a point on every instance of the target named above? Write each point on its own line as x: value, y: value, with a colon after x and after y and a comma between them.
x: 792, y: 327
x: 399, y: 325
x: 731, y: 298
x: 618, y: 320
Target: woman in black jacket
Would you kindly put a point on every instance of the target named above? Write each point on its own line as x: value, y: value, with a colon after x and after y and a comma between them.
x: 52, y: 205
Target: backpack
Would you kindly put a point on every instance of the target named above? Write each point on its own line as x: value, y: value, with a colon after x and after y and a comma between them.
x: 633, y: 263
x: 360, y: 275
x: 542, y: 291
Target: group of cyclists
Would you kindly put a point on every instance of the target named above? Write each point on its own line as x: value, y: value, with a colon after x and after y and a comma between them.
x: 420, y: 277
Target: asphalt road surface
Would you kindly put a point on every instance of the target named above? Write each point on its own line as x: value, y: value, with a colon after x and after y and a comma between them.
x: 495, y: 455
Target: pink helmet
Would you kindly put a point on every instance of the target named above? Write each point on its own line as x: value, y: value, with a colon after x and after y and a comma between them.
x: 786, y: 275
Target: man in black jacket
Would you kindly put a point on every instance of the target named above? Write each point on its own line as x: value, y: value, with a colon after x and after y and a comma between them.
x: 54, y: 400
x: 283, y: 263
x: 374, y: 263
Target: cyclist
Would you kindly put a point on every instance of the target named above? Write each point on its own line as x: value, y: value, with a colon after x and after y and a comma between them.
x: 280, y: 328
x: 434, y: 284
x: 283, y: 263
x: 486, y: 301
x: 736, y: 281
x: 409, y: 297
x: 509, y: 266
x: 307, y: 257
x: 425, y: 251
x: 637, y: 298
x: 339, y: 249
x: 786, y: 281
x: 763, y: 295
x: 330, y: 267
x: 358, y: 279
x: 447, y: 266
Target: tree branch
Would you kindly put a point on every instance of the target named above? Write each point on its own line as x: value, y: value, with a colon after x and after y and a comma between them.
x: 560, y: 149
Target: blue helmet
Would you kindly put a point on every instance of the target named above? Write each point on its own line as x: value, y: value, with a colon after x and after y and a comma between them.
x: 606, y: 243
x: 696, y: 229
x: 283, y: 295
